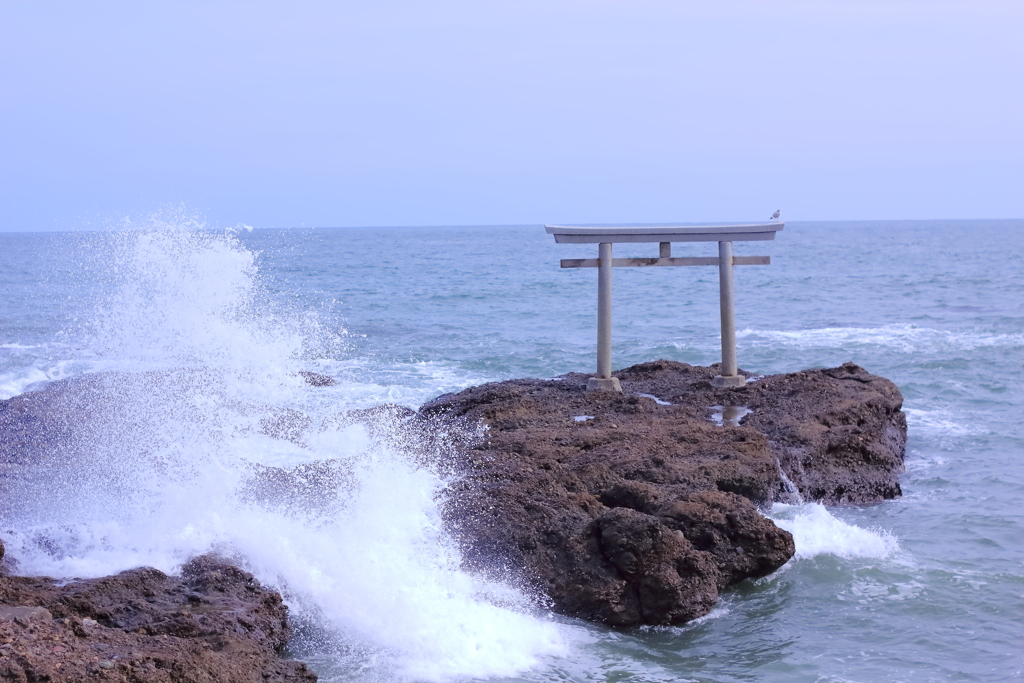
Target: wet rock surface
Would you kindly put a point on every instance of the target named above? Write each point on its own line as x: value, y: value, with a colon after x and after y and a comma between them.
x: 637, y: 508
x: 215, y: 623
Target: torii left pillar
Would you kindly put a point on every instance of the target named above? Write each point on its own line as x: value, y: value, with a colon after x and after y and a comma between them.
x: 604, y: 380
x: 729, y: 376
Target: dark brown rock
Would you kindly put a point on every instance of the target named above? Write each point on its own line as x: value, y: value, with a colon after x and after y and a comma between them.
x: 838, y: 433
x: 214, y: 624
x: 645, y: 512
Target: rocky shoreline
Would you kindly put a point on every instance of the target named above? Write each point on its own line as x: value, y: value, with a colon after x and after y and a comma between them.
x: 640, y: 507
x: 624, y: 509
x: 213, y: 623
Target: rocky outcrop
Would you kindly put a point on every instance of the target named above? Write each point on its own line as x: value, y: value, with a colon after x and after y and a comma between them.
x: 640, y: 507
x: 632, y: 508
x: 215, y: 623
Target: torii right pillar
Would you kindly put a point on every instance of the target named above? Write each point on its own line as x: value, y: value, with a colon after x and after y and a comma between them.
x: 730, y: 376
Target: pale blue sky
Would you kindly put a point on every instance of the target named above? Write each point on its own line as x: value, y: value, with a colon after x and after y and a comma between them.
x: 439, y: 113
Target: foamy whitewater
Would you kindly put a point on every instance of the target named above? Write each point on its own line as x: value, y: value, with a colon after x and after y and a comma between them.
x: 195, y: 338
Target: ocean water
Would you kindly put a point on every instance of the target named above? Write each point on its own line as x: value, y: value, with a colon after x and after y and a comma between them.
x: 207, y: 331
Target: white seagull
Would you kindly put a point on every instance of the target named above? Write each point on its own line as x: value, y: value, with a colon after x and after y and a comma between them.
x: 775, y: 216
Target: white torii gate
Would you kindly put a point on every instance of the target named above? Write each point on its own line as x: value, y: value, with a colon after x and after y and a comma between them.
x: 605, y: 236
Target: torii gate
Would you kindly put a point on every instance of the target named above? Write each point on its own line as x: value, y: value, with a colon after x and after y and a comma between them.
x: 605, y: 236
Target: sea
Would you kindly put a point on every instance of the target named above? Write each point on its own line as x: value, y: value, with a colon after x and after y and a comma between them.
x: 927, y: 587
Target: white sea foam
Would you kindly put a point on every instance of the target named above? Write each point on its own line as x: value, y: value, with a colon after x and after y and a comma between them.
x: 939, y: 422
x: 719, y: 611
x: 871, y: 590
x: 14, y: 383
x: 169, y: 465
x: 409, y: 383
x: 817, y: 532
x: 899, y: 338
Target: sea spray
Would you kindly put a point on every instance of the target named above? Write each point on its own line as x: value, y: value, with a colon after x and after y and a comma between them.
x: 193, y: 298
x: 195, y: 395
x: 817, y: 532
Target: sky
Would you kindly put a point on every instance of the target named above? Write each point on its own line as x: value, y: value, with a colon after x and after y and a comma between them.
x: 282, y: 114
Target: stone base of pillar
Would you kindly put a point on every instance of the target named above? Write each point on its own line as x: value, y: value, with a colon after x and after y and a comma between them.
x: 728, y: 382
x: 599, y: 384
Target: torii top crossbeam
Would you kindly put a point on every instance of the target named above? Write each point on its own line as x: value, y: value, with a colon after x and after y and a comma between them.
x: 586, y: 234
x: 605, y: 236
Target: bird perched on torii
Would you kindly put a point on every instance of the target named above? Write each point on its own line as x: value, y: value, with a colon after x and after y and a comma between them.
x: 775, y: 216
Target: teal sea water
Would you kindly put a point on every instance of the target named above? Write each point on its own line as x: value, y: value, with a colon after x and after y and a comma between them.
x: 929, y: 587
